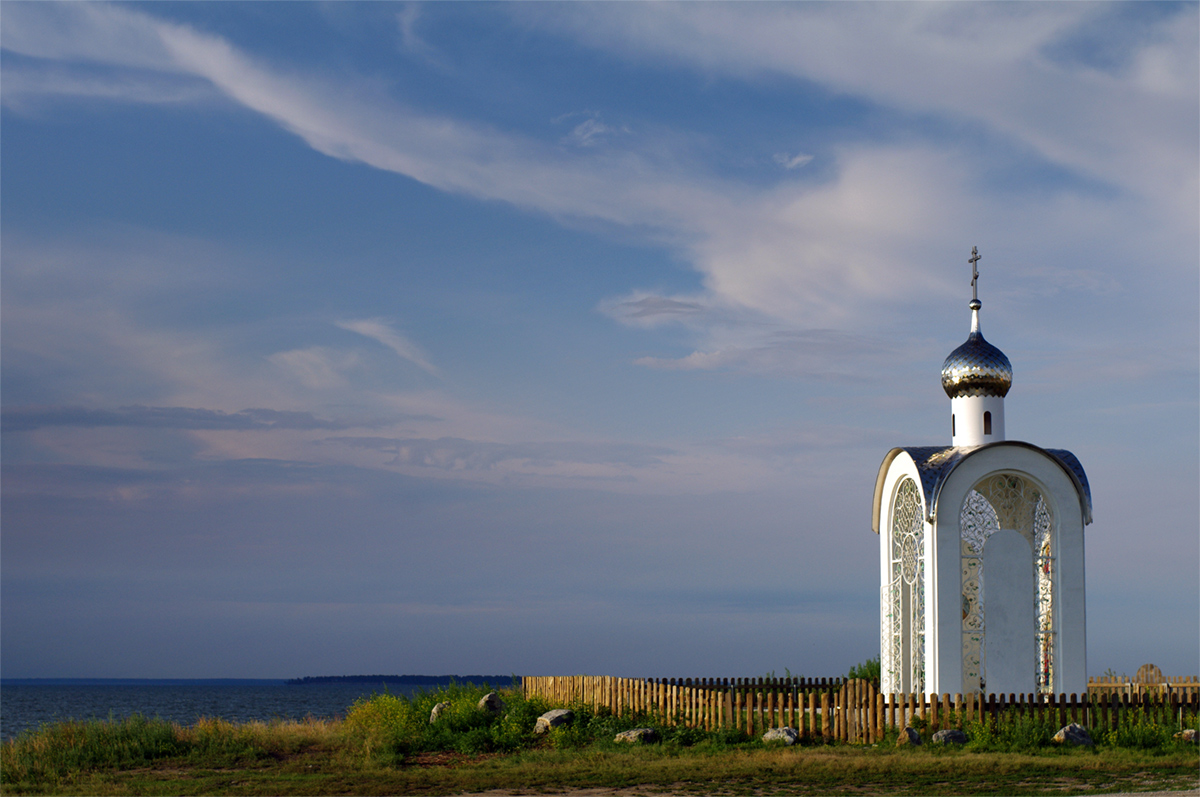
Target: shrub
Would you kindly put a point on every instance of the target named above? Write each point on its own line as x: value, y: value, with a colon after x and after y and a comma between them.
x: 869, y: 670
x: 52, y: 751
x: 1015, y: 732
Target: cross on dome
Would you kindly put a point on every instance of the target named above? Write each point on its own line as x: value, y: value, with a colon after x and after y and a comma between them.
x: 976, y: 368
x: 975, y: 258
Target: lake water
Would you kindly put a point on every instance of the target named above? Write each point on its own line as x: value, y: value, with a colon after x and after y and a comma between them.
x: 25, y: 706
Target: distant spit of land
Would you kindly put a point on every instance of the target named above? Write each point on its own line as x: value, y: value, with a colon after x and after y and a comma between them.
x: 420, y: 680
x: 410, y: 680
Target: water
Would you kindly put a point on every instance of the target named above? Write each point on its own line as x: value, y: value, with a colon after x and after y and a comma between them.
x: 26, y: 706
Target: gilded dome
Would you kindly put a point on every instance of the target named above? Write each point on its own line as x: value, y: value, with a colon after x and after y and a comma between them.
x: 976, y: 368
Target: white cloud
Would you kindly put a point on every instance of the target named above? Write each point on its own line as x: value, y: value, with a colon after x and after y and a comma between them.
x: 876, y: 239
x: 982, y: 62
x: 24, y: 86
x: 317, y: 367
x: 790, y: 162
x: 378, y: 330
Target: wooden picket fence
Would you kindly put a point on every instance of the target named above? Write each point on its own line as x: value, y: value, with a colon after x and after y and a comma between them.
x: 851, y: 711
x: 1162, y: 686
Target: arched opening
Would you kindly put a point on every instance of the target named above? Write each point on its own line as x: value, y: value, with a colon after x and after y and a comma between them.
x: 903, y: 626
x: 987, y: 423
x: 1008, y: 501
x: 952, y: 427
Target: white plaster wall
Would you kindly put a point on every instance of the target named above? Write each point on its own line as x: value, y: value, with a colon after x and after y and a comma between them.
x: 1007, y: 598
x: 968, y: 420
x: 1059, y: 491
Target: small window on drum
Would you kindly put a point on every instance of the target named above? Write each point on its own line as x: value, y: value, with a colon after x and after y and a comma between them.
x: 987, y: 423
x: 952, y: 432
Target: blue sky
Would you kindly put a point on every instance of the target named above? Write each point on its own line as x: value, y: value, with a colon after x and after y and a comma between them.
x: 554, y: 338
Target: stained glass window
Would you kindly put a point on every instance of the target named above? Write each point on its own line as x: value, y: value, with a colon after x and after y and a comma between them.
x: 903, y: 597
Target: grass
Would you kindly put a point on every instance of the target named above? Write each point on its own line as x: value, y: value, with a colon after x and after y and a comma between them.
x: 386, y: 745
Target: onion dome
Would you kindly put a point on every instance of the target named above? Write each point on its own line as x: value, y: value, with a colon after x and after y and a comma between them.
x: 976, y: 368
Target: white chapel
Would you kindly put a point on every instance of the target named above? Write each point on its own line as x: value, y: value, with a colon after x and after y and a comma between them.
x: 981, y: 547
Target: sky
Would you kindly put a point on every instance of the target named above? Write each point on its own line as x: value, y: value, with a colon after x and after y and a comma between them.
x: 546, y: 338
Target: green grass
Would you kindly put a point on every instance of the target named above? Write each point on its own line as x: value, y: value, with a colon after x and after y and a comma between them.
x: 386, y: 745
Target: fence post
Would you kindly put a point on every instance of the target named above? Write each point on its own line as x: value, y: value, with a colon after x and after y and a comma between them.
x: 881, y: 707
x: 826, y: 725
x: 839, y: 714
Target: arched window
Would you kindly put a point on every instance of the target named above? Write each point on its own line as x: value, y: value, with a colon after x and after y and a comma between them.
x: 987, y: 423
x: 952, y: 431
x: 1006, y: 500
x: 903, y: 596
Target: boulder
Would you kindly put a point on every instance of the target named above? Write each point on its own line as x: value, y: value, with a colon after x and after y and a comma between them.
x: 552, y: 719
x: 645, y: 735
x: 950, y: 736
x: 1188, y: 735
x: 786, y: 735
x: 909, y: 736
x: 1073, y: 734
x: 438, y: 710
x: 491, y: 702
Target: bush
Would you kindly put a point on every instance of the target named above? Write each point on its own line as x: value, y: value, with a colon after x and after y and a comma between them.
x: 53, y: 751
x: 401, y: 725
x: 1141, y: 732
x: 869, y: 670
x: 1016, y: 732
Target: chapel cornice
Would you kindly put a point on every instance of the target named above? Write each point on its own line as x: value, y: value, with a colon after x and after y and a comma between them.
x: 935, y: 464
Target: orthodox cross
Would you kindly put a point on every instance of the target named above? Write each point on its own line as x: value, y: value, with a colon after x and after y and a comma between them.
x: 975, y: 258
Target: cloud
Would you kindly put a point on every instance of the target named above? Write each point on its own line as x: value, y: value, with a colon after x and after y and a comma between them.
x: 410, y: 41
x: 28, y: 418
x: 649, y: 310
x: 790, y: 162
x: 26, y: 85
x: 452, y: 453
x: 851, y: 248
x: 991, y: 64
x: 378, y: 330
x: 814, y: 353
x: 317, y: 367
x: 854, y: 248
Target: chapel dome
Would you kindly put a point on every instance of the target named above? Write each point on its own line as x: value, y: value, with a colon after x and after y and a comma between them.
x: 976, y: 368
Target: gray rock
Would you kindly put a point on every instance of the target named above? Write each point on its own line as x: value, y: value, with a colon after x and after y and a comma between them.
x: 786, y: 735
x: 909, y: 736
x: 438, y: 710
x: 552, y: 719
x: 950, y: 736
x: 645, y: 735
x: 1188, y: 735
x: 1073, y: 734
x: 491, y: 702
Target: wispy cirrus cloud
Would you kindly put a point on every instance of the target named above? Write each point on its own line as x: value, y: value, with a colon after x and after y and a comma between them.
x: 825, y: 354
x: 453, y: 453
x: 20, y: 419
x: 852, y: 249
x: 1015, y: 69
x: 379, y: 330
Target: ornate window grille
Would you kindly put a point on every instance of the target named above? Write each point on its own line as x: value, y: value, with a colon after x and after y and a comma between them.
x: 903, y: 599
x: 1006, y: 500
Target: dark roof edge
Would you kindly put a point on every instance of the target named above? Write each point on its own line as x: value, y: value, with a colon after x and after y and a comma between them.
x: 933, y: 477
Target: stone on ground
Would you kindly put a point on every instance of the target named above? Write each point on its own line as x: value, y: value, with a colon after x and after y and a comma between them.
x: 645, y: 735
x: 1073, y: 734
x: 950, y: 736
x: 552, y: 719
x: 491, y: 702
x: 1188, y: 735
x: 438, y: 710
x: 786, y: 735
x: 909, y: 736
